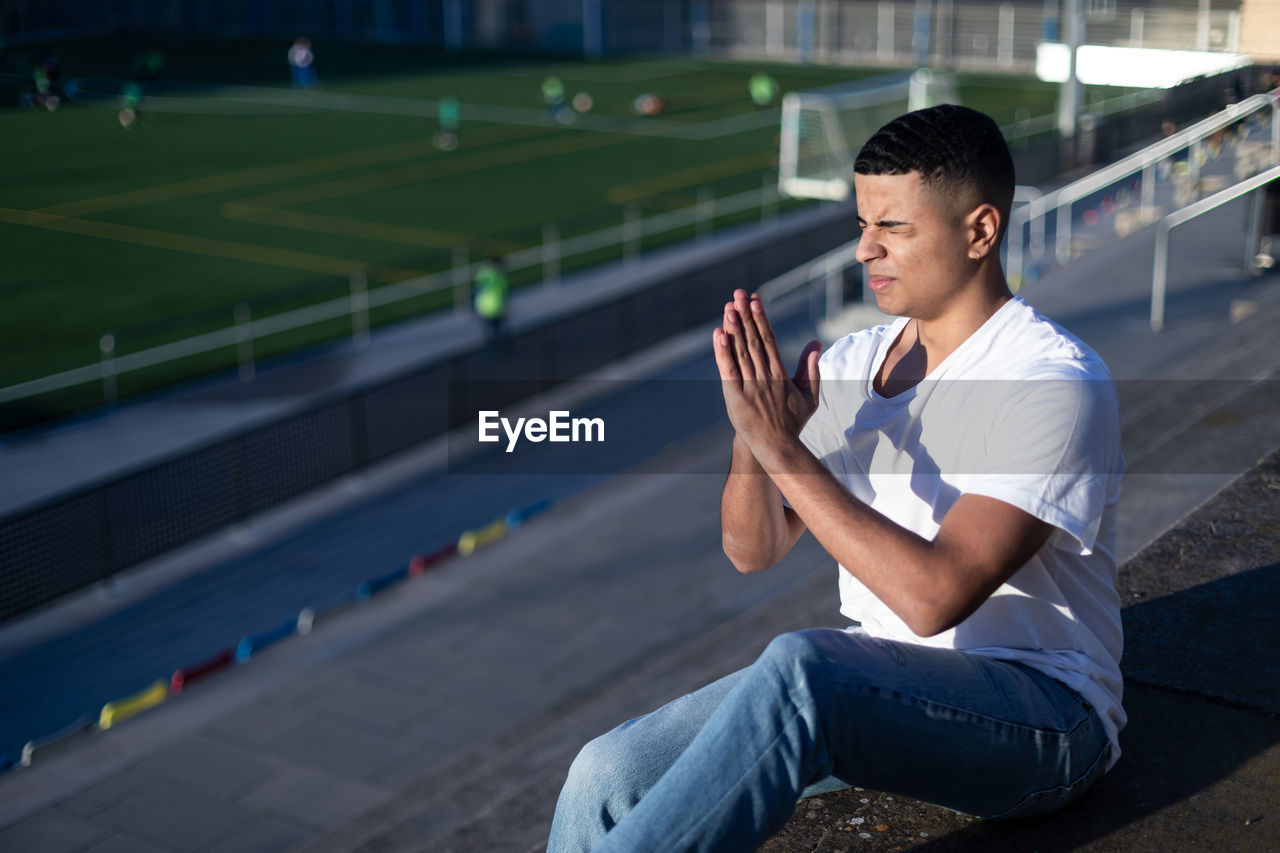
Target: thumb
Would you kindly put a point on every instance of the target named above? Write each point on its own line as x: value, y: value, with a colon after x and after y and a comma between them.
x: 814, y: 378
x: 806, y: 376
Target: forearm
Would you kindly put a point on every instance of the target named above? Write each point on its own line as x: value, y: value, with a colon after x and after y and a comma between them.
x: 756, y: 531
x: 910, y: 574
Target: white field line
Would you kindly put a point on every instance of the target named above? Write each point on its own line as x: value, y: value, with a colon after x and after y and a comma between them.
x: 268, y: 100
x: 632, y: 74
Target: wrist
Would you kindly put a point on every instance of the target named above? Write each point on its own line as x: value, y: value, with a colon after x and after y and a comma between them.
x: 781, y: 457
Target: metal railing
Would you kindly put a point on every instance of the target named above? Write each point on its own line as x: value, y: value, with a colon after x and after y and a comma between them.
x: 828, y: 267
x: 629, y: 235
x: 1142, y: 162
x: 1160, y: 273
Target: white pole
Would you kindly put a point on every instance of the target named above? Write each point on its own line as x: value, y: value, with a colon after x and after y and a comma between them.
x: 706, y: 211
x: 630, y: 233
x: 1014, y: 255
x: 1136, y: 22
x: 1233, y: 32
x: 107, y: 357
x: 359, y: 307
x: 1063, y: 248
x: 1202, y: 26
x: 1159, y: 277
x: 1004, y: 43
x: 244, y: 341
x: 835, y: 294
x: 768, y: 200
x: 461, y: 260
x: 550, y: 253
x: 884, y: 31
x: 773, y: 28
x: 1070, y: 95
x: 1252, y: 231
x: 1037, y: 233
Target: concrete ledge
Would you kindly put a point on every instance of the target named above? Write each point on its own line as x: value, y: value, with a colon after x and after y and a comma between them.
x: 1202, y: 748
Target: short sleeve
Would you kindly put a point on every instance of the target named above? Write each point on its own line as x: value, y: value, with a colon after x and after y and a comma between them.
x: 1054, y: 452
x: 822, y: 435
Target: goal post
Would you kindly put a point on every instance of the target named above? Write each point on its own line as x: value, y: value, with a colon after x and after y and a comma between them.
x: 823, y: 129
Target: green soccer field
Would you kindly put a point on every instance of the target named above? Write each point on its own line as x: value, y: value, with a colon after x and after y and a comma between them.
x: 231, y: 189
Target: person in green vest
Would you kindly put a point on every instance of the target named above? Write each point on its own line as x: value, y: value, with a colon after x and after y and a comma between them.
x: 762, y: 88
x: 552, y: 94
x: 449, y: 114
x: 490, y: 287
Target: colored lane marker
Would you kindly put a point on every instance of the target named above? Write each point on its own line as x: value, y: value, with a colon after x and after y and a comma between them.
x: 81, y: 726
x: 188, y: 674
x: 369, y: 587
x: 246, y: 648
x: 517, y: 517
x: 120, y: 710
x: 471, y: 540
x: 422, y: 562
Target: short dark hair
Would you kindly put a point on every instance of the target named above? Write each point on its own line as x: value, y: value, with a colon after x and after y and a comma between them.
x: 952, y: 147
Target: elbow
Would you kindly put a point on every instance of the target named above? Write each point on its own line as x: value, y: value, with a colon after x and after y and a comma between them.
x: 743, y: 560
x: 927, y: 627
x: 932, y: 619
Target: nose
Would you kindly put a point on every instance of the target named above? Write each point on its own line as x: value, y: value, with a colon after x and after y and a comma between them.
x: 869, y: 249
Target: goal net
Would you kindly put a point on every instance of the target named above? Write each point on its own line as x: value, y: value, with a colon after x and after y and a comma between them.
x: 823, y: 129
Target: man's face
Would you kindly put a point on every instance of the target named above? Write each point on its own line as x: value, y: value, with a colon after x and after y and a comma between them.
x: 914, y: 244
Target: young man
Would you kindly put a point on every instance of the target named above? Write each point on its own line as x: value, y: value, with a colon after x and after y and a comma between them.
x: 961, y: 464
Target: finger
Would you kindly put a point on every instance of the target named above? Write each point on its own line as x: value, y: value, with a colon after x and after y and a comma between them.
x: 746, y: 320
x: 726, y: 363
x: 737, y: 341
x: 768, y: 341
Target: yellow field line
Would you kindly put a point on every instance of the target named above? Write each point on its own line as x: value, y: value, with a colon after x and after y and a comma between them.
x: 279, y: 172
x: 473, y: 162
x: 689, y: 177
x: 410, y: 235
x: 207, y: 246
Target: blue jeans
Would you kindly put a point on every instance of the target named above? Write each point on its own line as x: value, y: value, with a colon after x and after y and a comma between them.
x: 723, y: 768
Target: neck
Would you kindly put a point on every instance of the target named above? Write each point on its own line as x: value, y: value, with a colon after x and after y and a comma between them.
x: 940, y: 335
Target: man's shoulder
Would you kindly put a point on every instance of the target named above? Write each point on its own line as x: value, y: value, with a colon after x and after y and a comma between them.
x: 1032, y: 346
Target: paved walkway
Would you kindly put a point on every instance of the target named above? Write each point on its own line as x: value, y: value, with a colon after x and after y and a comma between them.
x: 442, y: 714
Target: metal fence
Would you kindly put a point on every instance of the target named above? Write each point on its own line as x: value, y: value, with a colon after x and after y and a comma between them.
x: 627, y: 237
x: 65, y: 544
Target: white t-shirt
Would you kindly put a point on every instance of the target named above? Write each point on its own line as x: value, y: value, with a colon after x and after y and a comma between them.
x: 1022, y: 412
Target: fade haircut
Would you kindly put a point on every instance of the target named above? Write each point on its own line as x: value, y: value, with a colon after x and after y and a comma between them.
x: 957, y: 151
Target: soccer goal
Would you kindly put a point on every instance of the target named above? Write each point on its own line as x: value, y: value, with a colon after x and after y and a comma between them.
x: 822, y: 129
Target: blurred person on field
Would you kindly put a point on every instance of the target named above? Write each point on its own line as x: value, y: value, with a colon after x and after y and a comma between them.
x: 489, y: 294
x: 762, y: 88
x: 302, y: 63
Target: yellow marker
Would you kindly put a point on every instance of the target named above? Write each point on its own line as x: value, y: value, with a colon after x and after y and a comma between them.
x: 473, y: 539
x: 122, y: 709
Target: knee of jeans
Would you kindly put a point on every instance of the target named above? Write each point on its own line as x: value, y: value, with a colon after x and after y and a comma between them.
x: 794, y: 657
x: 601, y: 766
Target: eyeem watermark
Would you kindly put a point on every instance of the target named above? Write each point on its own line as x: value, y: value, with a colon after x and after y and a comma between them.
x: 558, y: 427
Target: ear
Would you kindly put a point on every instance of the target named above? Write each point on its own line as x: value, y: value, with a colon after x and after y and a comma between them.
x: 983, y: 228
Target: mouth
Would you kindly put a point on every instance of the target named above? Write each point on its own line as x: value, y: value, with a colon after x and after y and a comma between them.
x: 879, y: 283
